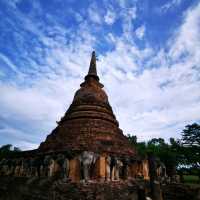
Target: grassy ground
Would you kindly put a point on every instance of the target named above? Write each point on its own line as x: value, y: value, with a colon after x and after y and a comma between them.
x: 191, y: 179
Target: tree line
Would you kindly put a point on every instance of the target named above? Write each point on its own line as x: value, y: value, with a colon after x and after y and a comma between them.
x: 180, y: 156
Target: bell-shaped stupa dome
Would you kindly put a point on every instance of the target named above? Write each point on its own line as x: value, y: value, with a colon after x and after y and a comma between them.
x: 89, y: 123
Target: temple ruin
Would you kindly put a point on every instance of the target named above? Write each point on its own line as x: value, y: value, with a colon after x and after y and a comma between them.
x: 87, y: 144
x: 87, y: 156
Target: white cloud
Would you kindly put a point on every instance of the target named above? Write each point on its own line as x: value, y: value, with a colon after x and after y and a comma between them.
x: 19, y: 139
x: 35, y: 106
x: 110, y: 17
x: 94, y: 15
x: 128, y: 15
x: 132, y: 12
x: 9, y: 63
x: 170, y: 5
x: 160, y: 101
x: 125, y: 3
x: 26, y: 145
x: 13, y: 3
x: 140, y: 32
x: 186, y: 40
x: 147, y: 89
x: 111, y: 38
x: 78, y: 17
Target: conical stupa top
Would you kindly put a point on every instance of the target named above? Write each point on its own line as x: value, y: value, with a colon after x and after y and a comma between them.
x: 92, y: 69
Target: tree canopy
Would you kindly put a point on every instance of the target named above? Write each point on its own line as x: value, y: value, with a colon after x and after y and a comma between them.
x: 7, y: 150
x: 175, y: 154
x: 191, y: 135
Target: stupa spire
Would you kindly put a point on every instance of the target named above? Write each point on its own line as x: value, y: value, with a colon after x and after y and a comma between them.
x: 92, y: 72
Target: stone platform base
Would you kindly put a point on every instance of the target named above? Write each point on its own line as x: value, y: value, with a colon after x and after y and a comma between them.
x: 22, y: 188
x: 19, y: 188
x: 181, y: 192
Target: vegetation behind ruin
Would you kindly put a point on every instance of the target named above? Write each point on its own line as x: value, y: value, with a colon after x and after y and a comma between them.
x: 179, y: 155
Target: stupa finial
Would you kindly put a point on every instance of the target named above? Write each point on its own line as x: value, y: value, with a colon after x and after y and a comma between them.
x: 92, y: 69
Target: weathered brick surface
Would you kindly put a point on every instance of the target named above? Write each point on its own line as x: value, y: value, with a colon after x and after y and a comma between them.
x: 74, y: 173
x: 145, y: 169
x: 89, y: 124
x: 21, y: 188
x: 181, y: 192
x: 47, y: 189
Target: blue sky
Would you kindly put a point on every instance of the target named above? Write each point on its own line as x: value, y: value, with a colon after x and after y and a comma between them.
x: 148, y: 59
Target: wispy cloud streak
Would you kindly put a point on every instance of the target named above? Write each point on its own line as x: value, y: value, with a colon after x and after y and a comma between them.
x: 147, y: 86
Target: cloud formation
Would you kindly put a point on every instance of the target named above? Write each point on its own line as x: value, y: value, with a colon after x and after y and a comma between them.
x: 170, y: 5
x: 154, y: 92
x: 110, y: 17
x: 140, y: 31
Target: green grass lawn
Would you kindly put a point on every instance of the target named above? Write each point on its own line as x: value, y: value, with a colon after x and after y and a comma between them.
x: 191, y: 179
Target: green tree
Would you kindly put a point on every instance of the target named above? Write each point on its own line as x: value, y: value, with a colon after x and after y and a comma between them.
x: 141, y: 147
x: 16, y: 149
x: 167, y: 153
x: 191, y: 146
x: 132, y: 139
x: 164, y: 152
x: 8, y: 150
x: 191, y: 135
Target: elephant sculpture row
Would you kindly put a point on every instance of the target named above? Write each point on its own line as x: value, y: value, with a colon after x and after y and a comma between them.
x: 60, y: 166
x: 115, y: 168
x: 40, y: 166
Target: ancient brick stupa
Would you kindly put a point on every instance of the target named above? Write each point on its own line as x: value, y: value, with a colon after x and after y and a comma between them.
x: 89, y: 124
x: 87, y: 143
